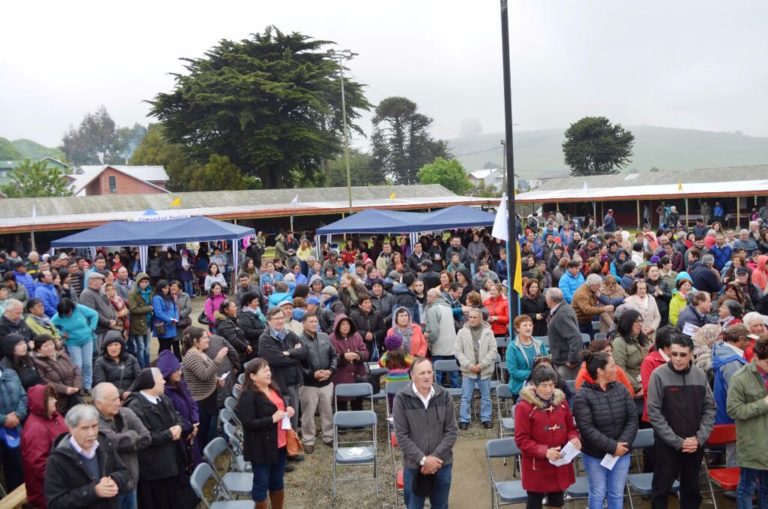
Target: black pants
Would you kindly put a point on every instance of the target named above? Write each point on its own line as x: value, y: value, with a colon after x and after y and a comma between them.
x: 170, y: 344
x: 669, y: 464
x: 535, y: 500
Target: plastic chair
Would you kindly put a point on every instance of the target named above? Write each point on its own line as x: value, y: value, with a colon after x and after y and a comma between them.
x: 726, y: 478
x: 354, y: 452
x: 230, y: 403
x: 504, y: 492
x: 200, y: 477
x: 234, y: 482
x: 642, y: 482
x: 353, y: 390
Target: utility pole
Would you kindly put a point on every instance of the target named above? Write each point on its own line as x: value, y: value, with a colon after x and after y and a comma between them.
x: 342, y: 55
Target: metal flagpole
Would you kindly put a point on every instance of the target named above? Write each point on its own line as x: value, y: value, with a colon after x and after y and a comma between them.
x: 510, y: 162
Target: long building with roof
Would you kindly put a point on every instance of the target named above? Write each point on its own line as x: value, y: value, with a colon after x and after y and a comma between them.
x: 737, y: 188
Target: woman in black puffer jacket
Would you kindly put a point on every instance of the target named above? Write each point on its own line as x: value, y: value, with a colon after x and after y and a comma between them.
x: 228, y: 328
x: 607, y: 420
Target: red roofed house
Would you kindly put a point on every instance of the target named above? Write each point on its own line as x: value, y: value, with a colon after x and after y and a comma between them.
x: 118, y: 179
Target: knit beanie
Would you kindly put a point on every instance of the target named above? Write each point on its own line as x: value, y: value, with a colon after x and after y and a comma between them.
x: 167, y: 363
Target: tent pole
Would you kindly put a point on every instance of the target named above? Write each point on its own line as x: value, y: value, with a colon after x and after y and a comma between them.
x: 738, y: 214
x: 687, y: 216
x: 638, y: 214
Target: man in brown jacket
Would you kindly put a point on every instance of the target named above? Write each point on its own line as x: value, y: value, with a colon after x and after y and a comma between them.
x: 586, y: 306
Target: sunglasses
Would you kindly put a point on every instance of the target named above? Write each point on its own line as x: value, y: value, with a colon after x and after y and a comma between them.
x: 679, y: 354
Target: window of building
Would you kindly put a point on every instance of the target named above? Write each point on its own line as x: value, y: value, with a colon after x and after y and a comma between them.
x: 112, y: 184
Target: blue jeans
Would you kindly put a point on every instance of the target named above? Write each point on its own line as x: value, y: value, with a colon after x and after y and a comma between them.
x: 82, y: 357
x: 138, y: 345
x: 439, y: 497
x: 604, y: 483
x: 268, y: 477
x: 189, y: 288
x: 454, y: 375
x: 467, y: 393
x: 127, y: 501
x: 751, y: 480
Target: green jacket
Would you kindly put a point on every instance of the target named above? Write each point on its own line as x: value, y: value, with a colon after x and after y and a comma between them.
x: 139, y: 308
x: 746, y: 404
x: 629, y: 355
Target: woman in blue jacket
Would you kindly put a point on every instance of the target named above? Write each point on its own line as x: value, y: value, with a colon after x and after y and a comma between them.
x: 77, y: 324
x: 165, y: 317
x: 522, y: 353
x: 13, y: 411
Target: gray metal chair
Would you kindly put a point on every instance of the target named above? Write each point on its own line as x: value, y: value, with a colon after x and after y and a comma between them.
x: 505, y: 409
x: 585, y: 340
x: 236, y: 390
x: 601, y: 335
x: 230, y: 403
x: 241, y: 378
x: 234, y: 482
x: 450, y: 366
x: 349, y: 449
x: 543, y: 339
x: 227, y: 415
x: 353, y: 390
x: 504, y: 492
x: 200, y: 477
x: 235, y: 442
x: 642, y: 482
x: 571, y: 385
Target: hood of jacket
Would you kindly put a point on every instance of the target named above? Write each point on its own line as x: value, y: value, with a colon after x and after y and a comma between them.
x: 38, y: 396
x: 400, y: 288
x: 621, y: 255
x: 722, y: 354
x: 110, y: 339
x: 337, y: 321
x: 440, y: 301
x: 140, y: 276
x: 528, y: 393
x: 394, y: 316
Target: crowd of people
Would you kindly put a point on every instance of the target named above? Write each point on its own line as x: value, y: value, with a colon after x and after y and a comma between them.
x: 88, y: 421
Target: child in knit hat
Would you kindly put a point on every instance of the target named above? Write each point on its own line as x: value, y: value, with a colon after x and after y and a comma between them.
x: 397, y: 361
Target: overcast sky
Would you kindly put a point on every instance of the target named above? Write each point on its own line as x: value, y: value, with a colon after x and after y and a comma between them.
x: 692, y: 64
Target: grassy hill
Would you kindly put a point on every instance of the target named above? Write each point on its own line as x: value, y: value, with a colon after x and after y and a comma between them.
x: 32, y: 150
x: 539, y: 153
x: 7, y: 151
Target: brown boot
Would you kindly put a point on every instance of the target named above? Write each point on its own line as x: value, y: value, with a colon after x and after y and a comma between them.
x: 261, y: 505
x: 277, y: 498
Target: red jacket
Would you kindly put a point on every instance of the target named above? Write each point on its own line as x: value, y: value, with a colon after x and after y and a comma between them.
x: 37, y: 436
x: 498, y: 307
x: 537, y: 429
x: 652, y: 361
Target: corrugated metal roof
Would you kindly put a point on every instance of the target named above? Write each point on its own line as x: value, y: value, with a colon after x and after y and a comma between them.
x: 89, y: 210
x: 735, y: 180
x: 148, y: 174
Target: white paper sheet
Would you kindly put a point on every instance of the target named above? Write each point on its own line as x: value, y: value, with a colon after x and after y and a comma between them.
x: 689, y: 329
x: 286, y: 424
x: 609, y: 461
x: 569, y: 452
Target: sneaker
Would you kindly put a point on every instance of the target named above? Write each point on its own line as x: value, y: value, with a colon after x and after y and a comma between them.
x: 289, y: 467
x: 309, y: 448
x: 487, y: 424
x: 463, y: 425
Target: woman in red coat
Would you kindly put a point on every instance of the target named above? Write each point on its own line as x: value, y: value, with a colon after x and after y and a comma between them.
x: 543, y: 426
x: 41, y: 428
x: 498, y: 311
x: 352, y: 353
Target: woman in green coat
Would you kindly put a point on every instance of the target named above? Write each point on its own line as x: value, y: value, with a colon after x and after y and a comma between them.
x: 630, y: 347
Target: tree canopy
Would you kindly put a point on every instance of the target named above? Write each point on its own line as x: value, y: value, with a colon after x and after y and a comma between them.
x: 401, y: 140
x: 155, y: 149
x: 97, y: 140
x: 270, y: 103
x: 359, y: 169
x: 594, y: 146
x: 448, y: 172
x: 36, y: 180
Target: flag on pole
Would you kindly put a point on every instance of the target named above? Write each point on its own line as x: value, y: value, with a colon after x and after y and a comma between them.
x: 295, y: 199
x: 34, y: 211
x: 500, y: 223
x: 176, y: 202
x: 680, y: 185
x: 517, y: 284
x: 585, y: 188
x: 392, y: 196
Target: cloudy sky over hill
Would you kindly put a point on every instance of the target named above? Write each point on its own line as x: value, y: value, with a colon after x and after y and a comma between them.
x: 690, y: 64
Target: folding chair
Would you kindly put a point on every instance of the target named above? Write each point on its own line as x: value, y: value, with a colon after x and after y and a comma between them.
x: 450, y: 366
x: 241, y: 378
x: 585, y: 340
x: 353, y: 390
x: 236, y: 390
x: 227, y: 415
x: 571, y: 385
x: 235, y: 442
x: 505, y: 492
x: 502, y: 342
x: 354, y: 452
x: 200, y: 477
x: 642, y: 482
x: 230, y: 403
x: 234, y: 482
x: 392, y: 388
x: 543, y: 339
x: 726, y: 478
x: 505, y: 409
x: 601, y: 335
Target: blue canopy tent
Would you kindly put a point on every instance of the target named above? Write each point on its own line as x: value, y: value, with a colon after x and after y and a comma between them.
x: 151, y: 233
x: 459, y: 216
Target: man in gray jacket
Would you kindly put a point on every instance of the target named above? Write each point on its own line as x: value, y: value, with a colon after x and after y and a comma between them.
x: 93, y: 298
x: 128, y: 434
x: 441, y: 332
x: 476, y: 354
x: 682, y: 412
x: 425, y: 427
x: 564, y: 335
x: 317, y: 391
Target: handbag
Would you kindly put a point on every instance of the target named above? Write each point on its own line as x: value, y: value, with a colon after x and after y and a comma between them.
x: 371, y: 377
x: 292, y: 443
x: 183, y: 323
x: 202, y: 319
x: 159, y: 327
